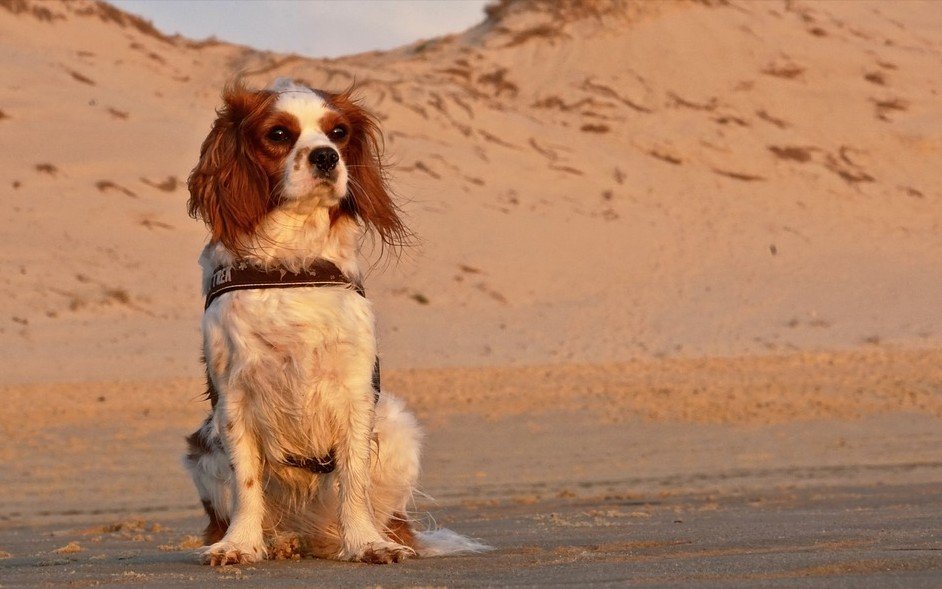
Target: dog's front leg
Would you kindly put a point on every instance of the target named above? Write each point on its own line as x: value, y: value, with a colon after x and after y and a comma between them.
x: 362, y: 541
x: 243, y: 542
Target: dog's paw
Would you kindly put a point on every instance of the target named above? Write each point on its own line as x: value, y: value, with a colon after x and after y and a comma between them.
x: 285, y: 547
x: 380, y: 552
x: 223, y: 553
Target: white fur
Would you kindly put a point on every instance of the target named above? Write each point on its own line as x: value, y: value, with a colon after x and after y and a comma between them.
x: 292, y: 369
x: 442, y: 542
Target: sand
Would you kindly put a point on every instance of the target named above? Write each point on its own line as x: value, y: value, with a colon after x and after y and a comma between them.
x: 573, y: 473
x: 672, y: 319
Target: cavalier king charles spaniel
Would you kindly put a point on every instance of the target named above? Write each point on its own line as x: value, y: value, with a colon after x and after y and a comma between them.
x: 301, y: 452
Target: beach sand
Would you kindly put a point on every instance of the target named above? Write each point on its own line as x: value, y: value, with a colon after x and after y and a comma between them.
x: 715, y: 473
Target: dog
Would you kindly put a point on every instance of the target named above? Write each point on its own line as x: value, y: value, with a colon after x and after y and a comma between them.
x: 301, y: 452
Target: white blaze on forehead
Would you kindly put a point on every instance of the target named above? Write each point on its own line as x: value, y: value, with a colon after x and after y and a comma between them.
x: 305, y: 104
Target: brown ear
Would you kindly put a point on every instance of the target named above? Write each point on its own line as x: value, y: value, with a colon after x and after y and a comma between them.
x: 369, y: 197
x: 229, y: 189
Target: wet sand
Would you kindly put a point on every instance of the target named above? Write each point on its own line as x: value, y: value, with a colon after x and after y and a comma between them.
x: 870, y: 536
x: 573, y: 480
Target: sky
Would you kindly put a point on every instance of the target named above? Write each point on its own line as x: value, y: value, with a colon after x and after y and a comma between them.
x: 315, y: 28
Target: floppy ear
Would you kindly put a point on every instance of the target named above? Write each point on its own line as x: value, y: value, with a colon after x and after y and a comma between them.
x: 369, y: 197
x: 229, y: 189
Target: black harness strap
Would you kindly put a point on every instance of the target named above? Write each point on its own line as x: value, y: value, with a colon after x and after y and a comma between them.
x: 321, y: 273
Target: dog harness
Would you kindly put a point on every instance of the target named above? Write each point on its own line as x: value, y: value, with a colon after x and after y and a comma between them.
x: 321, y: 273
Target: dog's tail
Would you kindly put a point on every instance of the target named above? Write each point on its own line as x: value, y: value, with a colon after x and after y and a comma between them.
x: 444, y: 542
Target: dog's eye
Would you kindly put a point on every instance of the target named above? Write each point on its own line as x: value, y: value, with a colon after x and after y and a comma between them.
x: 278, y: 134
x: 338, y: 133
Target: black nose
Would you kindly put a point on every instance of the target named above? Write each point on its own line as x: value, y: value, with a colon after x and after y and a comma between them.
x: 324, y: 159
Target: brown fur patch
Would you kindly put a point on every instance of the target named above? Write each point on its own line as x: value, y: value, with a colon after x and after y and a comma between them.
x: 217, y: 526
x: 400, y: 530
x: 369, y: 198
x: 232, y: 185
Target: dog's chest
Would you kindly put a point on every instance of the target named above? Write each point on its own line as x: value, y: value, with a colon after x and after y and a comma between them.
x: 292, y: 356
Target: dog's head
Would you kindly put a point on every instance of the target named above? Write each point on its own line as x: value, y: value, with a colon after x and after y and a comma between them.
x: 291, y: 146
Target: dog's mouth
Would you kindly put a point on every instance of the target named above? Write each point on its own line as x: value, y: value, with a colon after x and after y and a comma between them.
x: 316, y: 191
x: 325, y: 180
x: 328, y: 189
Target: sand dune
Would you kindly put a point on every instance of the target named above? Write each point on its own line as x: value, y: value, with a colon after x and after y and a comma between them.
x: 662, y: 179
